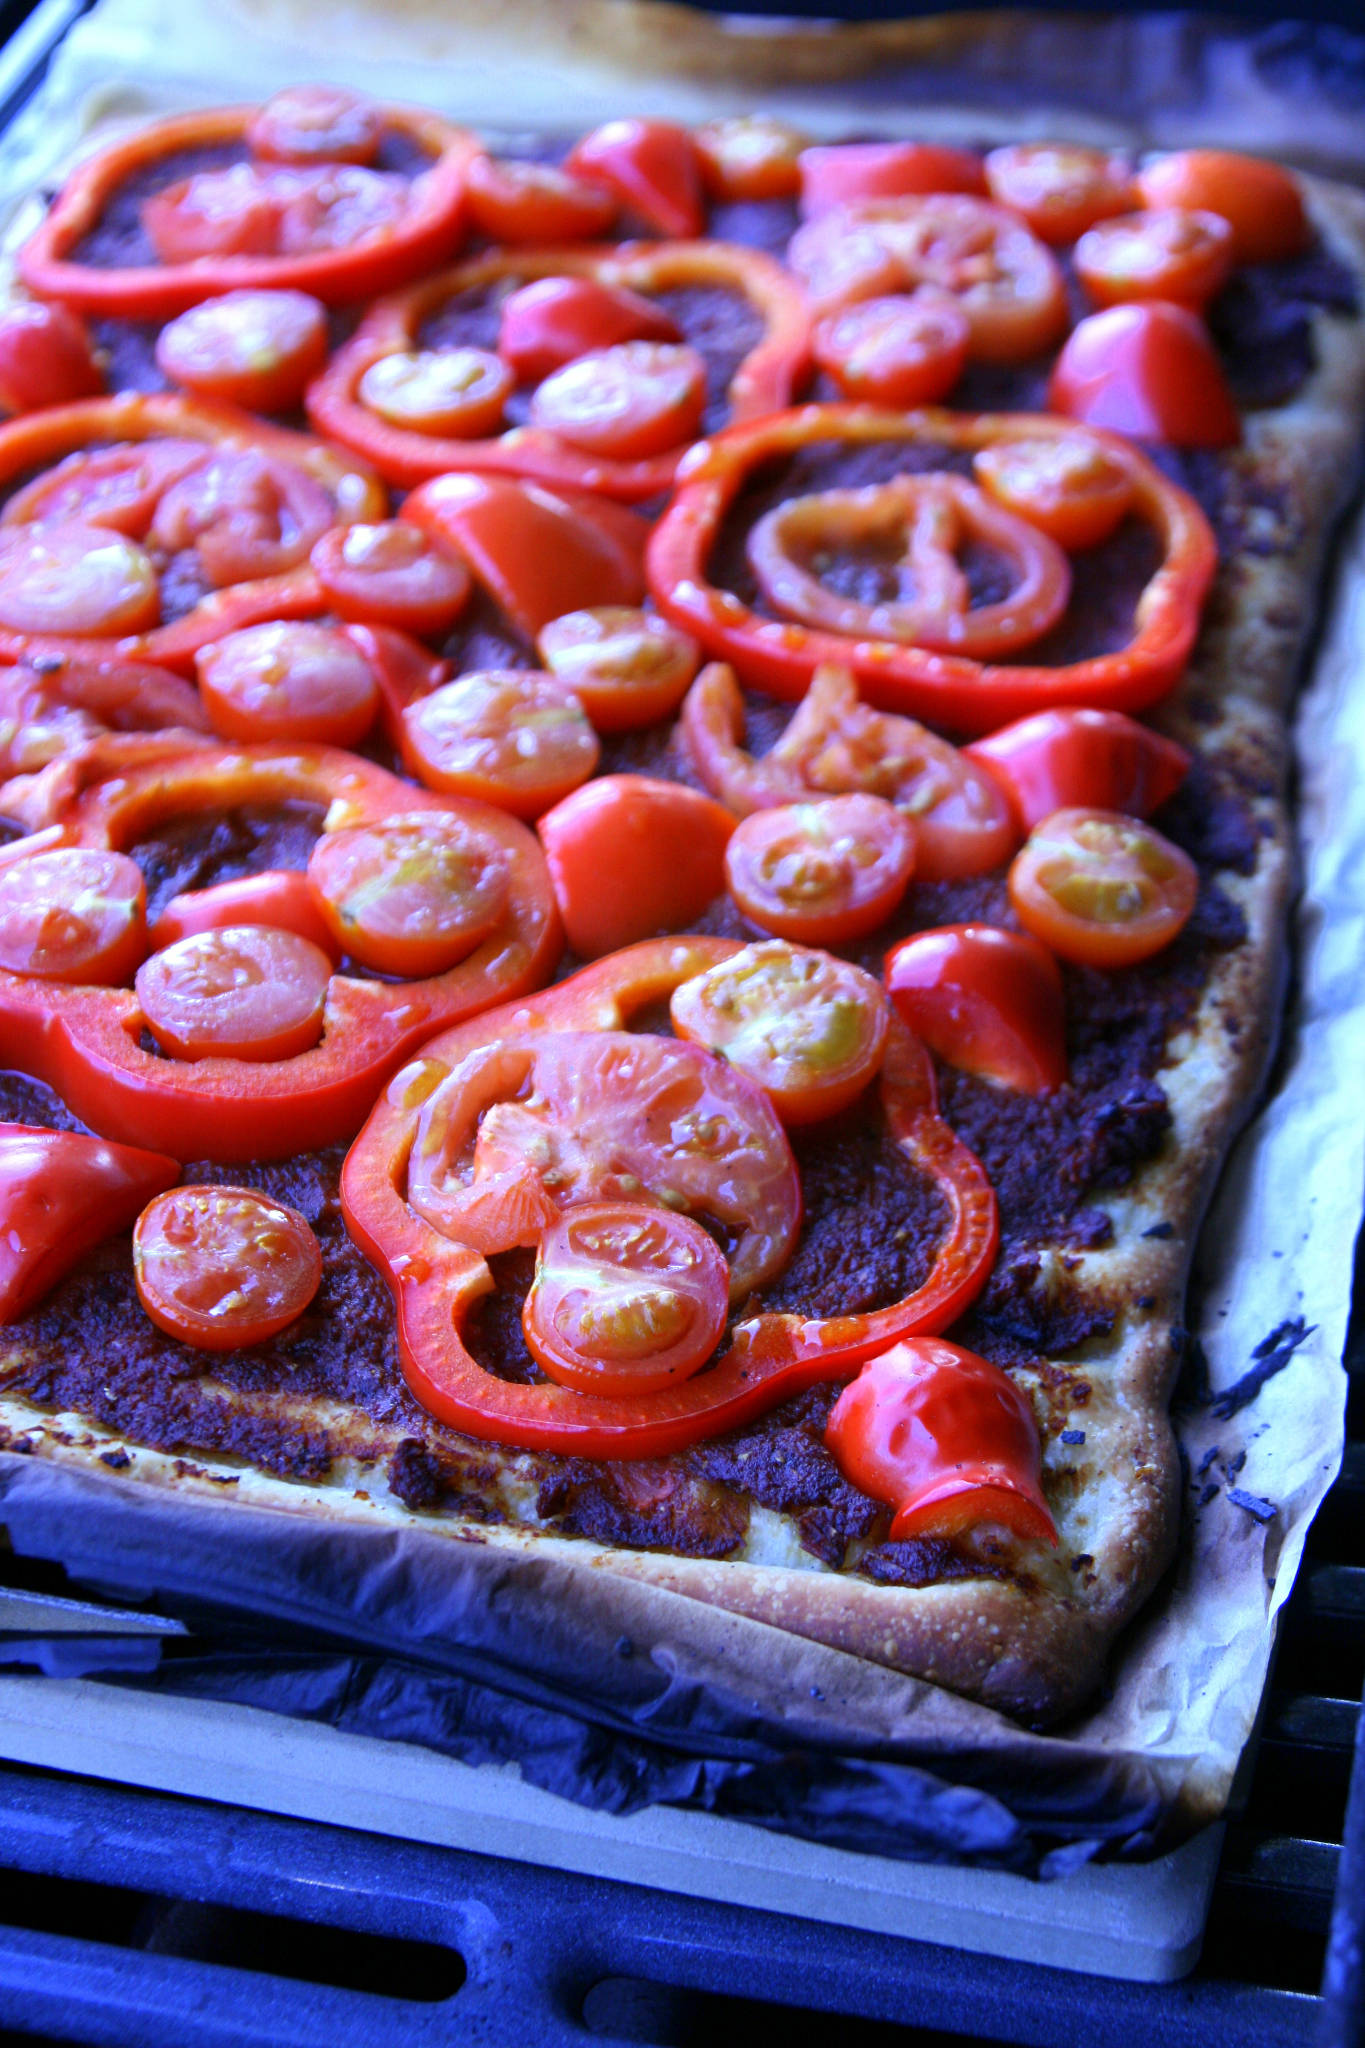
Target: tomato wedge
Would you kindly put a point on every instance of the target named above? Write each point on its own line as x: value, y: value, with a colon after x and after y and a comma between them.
x: 630, y: 402
x: 627, y: 667
x: 652, y: 167
x: 1060, y: 188
x: 903, y: 350
x: 224, y: 1267
x: 310, y: 124
x: 78, y: 581
x: 630, y: 856
x: 554, y: 320
x: 808, y: 1029
x: 750, y: 156
x: 389, y: 574
x: 1074, y: 490
x: 293, y: 681
x: 1150, y: 371
x: 512, y: 201
x: 75, y: 914
x: 45, y: 358
x: 1102, y: 889
x: 459, y: 391
x: 413, y: 895
x: 240, y: 992
x: 507, y: 736
x: 1064, y: 760
x: 835, y: 174
x: 1168, y: 252
x: 1262, y: 203
x: 61, y: 1194
x: 986, y: 1000
x: 278, y: 897
x: 820, y: 872
x: 258, y: 349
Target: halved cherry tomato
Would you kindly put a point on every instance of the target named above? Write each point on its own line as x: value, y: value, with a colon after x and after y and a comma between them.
x: 986, y: 1000
x: 842, y: 172
x: 750, y: 156
x: 1061, y: 760
x: 61, y: 1194
x: 238, y: 992
x: 77, y: 581
x: 45, y: 358
x: 1101, y: 888
x: 410, y: 896
x: 511, y: 737
x: 1149, y: 371
x: 823, y: 871
x: 554, y: 320
x: 389, y: 574
x: 311, y: 124
x: 808, y: 1029
x: 629, y: 857
x: 292, y: 681
x: 233, y: 212
x: 256, y: 349
x: 1075, y: 491
x: 119, y: 487
x: 625, y: 1299
x: 903, y: 350
x: 1167, y: 252
x: 1060, y: 188
x: 278, y: 897
x: 946, y: 1439
x: 1261, y: 203
x: 626, y: 667
x: 459, y: 391
x: 74, y: 914
x: 636, y: 399
x: 652, y: 167
x: 246, y: 516
x: 223, y: 1267
x: 512, y: 201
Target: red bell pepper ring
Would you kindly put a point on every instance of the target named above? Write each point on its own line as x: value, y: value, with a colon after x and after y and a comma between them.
x: 427, y: 233
x: 40, y: 441
x: 766, y: 380
x: 948, y: 690
x: 86, y: 1042
x: 436, y: 1281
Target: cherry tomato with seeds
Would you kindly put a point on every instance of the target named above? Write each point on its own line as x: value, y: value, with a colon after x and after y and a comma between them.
x: 45, y: 358
x: 1060, y: 188
x: 245, y: 515
x: 986, y: 1000
x: 278, y: 897
x: 390, y: 574
x: 652, y: 167
x: 821, y: 872
x: 636, y: 399
x: 1073, y: 489
x: 627, y: 667
x: 510, y: 737
x: 1166, y: 253
x: 840, y: 173
x: 1069, y: 759
x: 902, y: 350
x: 1149, y: 371
x: 252, y: 348
x: 410, y: 896
x: 1262, y: 203
x: 237, y: 211
x: 630, y: 857
x: 224, y: 1267
x: 314, y: 124
x: 750, y: 156
x: 240, y: 992
x: 74, y: 914
x: 554, y: 320
x: 1102, y: 889
x: 458, y: 391
x: 288, y: 681
x: 511, y: 201
x: 119, y: 487
x: 75, y: 580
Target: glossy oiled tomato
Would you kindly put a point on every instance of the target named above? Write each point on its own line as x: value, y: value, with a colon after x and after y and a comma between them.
x: 1072, y: 488
x: 245, y: 516
x: 808, y: 1029
x: 513, y: 738
x: 242, y: 992
x: 511, y: 201
x: 835, y: 174
x: 291, y: 681
x: 1060, y: 188
x: 1166, y: 253
x: 221, y: 1267
x: 554, y: 320
x: 458, y: 391
x: 1101, y: 888
x: 823, y: 871
x: 413, y: 895
x: 1061, y: 760
x: 536, y: 1124
x: 750, y: 156
x: 652, y: 167
x: 75, y: 914
x: 630, y: 857
x: 309, y: 124
x: 45, y: 358
x: 118, y: 487
x: 636, y: 399
x: 75, y: 580
x: 60, y: 1195
x: 627, y: 667
x: 231, y: 212
x: 1261, y: 203
x: 389, y: 574
x: 626, y: 1299
x: 1148, y: 371
x: 277, y: 897
x: 985, y: 1000
x: 903, y: 350
x: 257, y: 349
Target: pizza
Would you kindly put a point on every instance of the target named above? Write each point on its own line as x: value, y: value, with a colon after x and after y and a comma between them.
x: 649, y: 846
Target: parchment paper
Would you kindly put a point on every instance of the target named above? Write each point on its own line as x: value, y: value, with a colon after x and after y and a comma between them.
x: 1274, y: 1273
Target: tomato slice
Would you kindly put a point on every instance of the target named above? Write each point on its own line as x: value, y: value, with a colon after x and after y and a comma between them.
x: 809, y: 1030
x: 510, y: 737
x: 545, y: 1121
x: 277, y: 897
x: 652, y: 167
x: 516, y: 202
x: 389, y: 574
x: 750, y: 156
x: 45, y: 358
x: 118, y: 487
x: 629, y: 857
x: 1074, y: 489
x: 459, y: 391
x: 634, y: 400
x: 311, y: 124
x: 291, y: 681
x: 1262, y: 203
x: 986, y: 1000
x: 902, y: 350
x: 835, y: 174
x: 554, y: 320
x: 946, y: 1439
x: 1064, y: 760
x: 627, y: 667
x: 257, y: 349
x: 74, y: 914
x: 61, y: 1194
x: 626, y: 1299
x: 236, y: 211
x: 1060, y: 188
x: 246, y: 516
x: 823, y: 871
x: 410, y: 895
x: 224, y: 1267
x: 1149, y: 371
x: 1102, y: 889
x: 75, y: 580
x: 1168, y: 252
x: 238, y: 992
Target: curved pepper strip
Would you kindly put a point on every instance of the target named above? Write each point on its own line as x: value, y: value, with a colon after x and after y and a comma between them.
x: 946, y: 689
x: 87, y: 1042
x: 765, y: 381
x: 436, y: 1282
x: 428, y: 233
x: 38, y: 441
